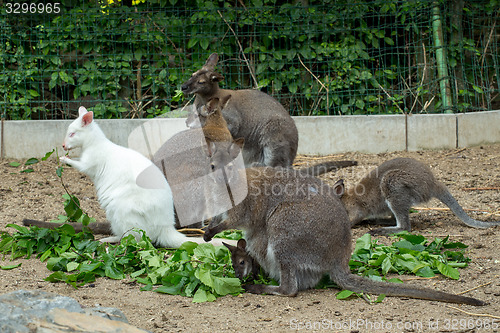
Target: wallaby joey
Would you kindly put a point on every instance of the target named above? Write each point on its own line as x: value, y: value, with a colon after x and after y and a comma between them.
x: 243, y: 264
x: 296, y: 228
x: 392, y: 189
x: 187, y: 158
x: 270, y: 134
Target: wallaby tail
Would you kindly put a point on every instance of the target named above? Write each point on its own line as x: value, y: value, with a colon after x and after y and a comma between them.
x: 445, y: 196
x: 103, y: 228
x: 321, y: 168
x: 357, y: 283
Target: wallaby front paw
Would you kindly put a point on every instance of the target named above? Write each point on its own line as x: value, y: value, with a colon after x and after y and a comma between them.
x: 64, y: 159
x: 253, y: 288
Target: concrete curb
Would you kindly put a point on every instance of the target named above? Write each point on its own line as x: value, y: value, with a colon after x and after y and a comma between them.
x: 317, y: 135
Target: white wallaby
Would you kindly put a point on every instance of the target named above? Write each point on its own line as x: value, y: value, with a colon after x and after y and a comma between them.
x: 130, y: 188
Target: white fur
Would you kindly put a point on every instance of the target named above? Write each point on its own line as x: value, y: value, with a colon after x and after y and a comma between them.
x: 114, y: 170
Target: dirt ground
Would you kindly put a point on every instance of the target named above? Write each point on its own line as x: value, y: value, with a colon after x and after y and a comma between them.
x: 37, y: 195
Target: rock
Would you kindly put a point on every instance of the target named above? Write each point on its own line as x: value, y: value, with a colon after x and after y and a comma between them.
x: 42, y: 312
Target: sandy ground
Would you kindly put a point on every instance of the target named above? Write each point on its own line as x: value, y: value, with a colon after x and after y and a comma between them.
x: 37, y: 195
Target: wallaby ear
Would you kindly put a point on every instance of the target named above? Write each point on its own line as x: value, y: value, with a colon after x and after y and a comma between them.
x: 210, y: 148
x: 211, y: 61
x: 242, y: 244
x: 231, y: 248
x: 81, y: 111
x: 239, y: 142
x: 339, y: 188
x: 234, y: 150
x: 212, y: 104
x: 224, y: 101
x: 87, y: 118
x: 216, y: 77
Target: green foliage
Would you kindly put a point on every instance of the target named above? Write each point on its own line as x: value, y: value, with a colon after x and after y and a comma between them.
x: 329, y: 57
x: 204, y: 272
x: 411, y: 254
x: 28, y: 162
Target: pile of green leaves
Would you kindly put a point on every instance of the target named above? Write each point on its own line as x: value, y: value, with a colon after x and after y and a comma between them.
x: 410, y: 254
x: 202, y: 272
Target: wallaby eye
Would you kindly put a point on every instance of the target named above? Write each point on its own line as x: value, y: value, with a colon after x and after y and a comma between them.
x: 242, y: 262
x: 72, y: 134
x: 212, y: 166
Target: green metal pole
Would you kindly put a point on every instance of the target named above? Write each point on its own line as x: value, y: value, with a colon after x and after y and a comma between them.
x: 442, y: 66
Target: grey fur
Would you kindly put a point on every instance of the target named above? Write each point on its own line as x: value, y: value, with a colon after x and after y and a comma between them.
x: 393, y: 188
x: 270, y: 134
x: 296, y: 228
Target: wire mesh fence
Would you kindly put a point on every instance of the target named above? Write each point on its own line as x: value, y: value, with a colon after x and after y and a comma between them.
x: 125, y: 59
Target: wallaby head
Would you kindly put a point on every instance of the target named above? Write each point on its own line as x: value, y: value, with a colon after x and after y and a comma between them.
x: 79, y: 131
x: 204, y: 82
x: 355, y: 208
x: 243, y: 264
x: 223, y: 156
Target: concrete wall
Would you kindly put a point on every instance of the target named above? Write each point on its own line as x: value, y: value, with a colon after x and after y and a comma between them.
x: 317, y: 135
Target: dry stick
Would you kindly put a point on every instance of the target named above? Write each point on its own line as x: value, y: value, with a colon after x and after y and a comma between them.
x: 316, y: 78
x: 474, y: 314
x: 390, y: 97
x: 466, y: 291
x: 185, y: 230
x: 480, y: 188
x: 241, y: 49
x: 447, y: 209
x: 455, y: 152
x: 421, y: 81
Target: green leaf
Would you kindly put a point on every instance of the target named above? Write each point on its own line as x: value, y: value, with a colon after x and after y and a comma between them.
x: 9, y: 267
x: 71, y: 266
x: 171, y: 290
x: 364, y: 242
x: 203, y: 296
x: 448, y: 271
x: 344, y: 294
x: 47, y: 155
x: 14, y: 164
x: 31, y: 161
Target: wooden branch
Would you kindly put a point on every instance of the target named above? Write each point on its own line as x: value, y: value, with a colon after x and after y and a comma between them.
x: 466, y: 291
x: 480, y: 188
x: 454, y: 152
x: 241, y: 49
x: 474, y: 314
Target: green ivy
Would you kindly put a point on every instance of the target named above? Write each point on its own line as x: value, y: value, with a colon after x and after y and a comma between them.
x: 329, y: 57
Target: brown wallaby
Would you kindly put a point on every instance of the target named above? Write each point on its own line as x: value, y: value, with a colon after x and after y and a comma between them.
x: 243, y: 264
x: 296, y: 228
x: 392, y: 189
x: 270, y: 134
